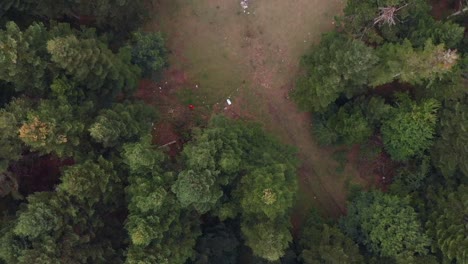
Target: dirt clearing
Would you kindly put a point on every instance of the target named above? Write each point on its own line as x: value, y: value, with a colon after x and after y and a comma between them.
x: 253, y: 58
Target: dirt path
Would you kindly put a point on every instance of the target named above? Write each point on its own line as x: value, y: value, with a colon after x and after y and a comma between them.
x: 253, y: 58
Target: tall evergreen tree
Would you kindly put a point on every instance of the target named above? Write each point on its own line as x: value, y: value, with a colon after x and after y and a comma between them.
x: 447, y: 225
x: 90, y: 63
x: 450, y: 151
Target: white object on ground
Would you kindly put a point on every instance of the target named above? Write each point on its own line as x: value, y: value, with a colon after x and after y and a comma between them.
x: 228, y: 101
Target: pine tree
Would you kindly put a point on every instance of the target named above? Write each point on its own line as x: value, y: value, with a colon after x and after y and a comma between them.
x: 90, y: 63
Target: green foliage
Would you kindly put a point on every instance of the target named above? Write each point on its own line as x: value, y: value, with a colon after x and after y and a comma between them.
x: 23, y: 57
x: 346, y: 126
x: 195, y: 188
x: 160, y: 231
x: 333, y: 247
x: 403, y: 62
x: 52, y: 228
x: 267, y: 239
x: 90, y: 182
x: 122, y: 123
x: 411, y: 177
x: 89, y: 62
x: 447, y: 225
x: 410, y: 130
x: 268, y: 191
x: 46, y: 132
x: 359, y: 19
x: 386, y: 225
x: 321, y: 243
x: 148, y: 52
x: 337, y: 66
x: 217, y: 156
x: 448, y: 33
x: 211, y: 180
x: 11, y: 118
x: 450, y: 151
x: 375, y: 109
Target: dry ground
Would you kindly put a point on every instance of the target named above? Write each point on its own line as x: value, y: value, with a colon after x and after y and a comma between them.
x: 253, y: 58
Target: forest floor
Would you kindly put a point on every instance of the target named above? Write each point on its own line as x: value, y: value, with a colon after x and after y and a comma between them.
x: 219, y: 52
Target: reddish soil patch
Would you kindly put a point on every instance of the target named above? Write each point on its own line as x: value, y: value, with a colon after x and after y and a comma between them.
x: 164, y: 135
x: 388, y: 90
x: 37, y: 174
x: 443, y: 8
x: 377, y: 169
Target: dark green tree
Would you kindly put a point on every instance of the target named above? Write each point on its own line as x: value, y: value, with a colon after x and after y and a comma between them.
x: 386, y: 225
x: 53, y: 228
x: 447, y: 225
x: 450, y: 151
x: 332, y: 246
x: 347, y: 126
x: 148, y: 52
x: 218, y: 244
x: 321, y: 243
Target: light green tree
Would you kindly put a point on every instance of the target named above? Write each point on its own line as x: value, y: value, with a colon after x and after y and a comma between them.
x: 410, y: 129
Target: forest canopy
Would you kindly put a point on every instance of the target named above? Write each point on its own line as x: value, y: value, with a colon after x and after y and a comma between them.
x: 83, y: 178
